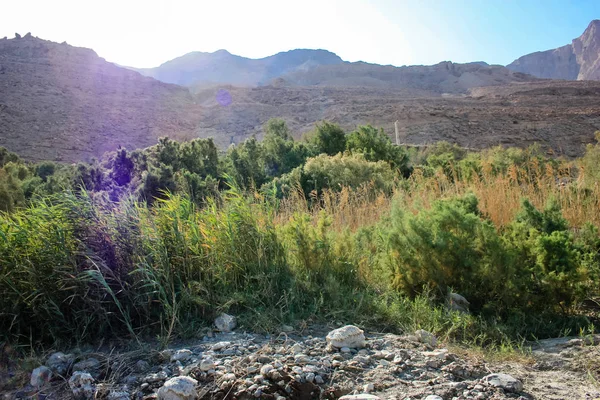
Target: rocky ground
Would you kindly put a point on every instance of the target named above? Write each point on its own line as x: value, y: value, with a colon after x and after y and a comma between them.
x: 316, y: 365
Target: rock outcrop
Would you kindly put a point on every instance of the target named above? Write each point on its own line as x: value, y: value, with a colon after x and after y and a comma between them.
x: 579, y: 60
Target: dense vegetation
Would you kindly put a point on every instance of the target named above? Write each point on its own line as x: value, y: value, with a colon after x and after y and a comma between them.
x: 334, y: 226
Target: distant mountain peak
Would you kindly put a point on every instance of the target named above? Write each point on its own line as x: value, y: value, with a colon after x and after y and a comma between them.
x: 579, y: 60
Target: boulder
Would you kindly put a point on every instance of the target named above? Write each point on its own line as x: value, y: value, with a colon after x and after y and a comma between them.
x: 225, y: 322
x: 40, y: 376
x: 178, y: 388
x: 82, y: 386
x: 456, y: 302
x: 362, y: 396
x: 503, y: 381
x: 347, y: 336
x: 59, y: 362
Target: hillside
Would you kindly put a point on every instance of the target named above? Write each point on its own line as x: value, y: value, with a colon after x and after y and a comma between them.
x: 61, y: 102
x: 561, y: 116
x: 579, y: 60
x: 445, y: 77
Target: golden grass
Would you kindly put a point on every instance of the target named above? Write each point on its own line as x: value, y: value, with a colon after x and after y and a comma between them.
x: 499, y: 195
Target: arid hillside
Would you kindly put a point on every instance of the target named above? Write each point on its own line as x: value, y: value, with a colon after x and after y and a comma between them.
x: 561, y: 116
x: 61, y: 102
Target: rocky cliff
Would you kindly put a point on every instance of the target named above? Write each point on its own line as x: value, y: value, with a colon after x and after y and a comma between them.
x: 579, y: 60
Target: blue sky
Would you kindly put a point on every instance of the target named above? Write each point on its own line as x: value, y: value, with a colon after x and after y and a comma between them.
x: 398, y: 32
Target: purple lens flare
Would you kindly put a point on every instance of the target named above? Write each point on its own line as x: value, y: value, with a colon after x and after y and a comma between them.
x: 223, y: 97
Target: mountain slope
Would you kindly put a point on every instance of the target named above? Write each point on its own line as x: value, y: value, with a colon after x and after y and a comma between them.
x: 222, y: 67
x: 445, y: 77
x: 61, y: 102
x: 579, y: 60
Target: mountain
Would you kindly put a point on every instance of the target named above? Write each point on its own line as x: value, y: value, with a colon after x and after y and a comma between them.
x: 222, y: 67
x: 322, y: 68
x: 59, y: 102
x: 579, y: 60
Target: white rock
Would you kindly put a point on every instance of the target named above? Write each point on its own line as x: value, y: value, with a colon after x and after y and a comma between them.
x: 296, y: 348
x: 220, y: 346
x: 319, y: 380
x: 265, y: 370
x: 456, y: 302
x: 503, y: 381
x: 181, y: 355
x: 40, y: 376
x: 301, y: 359
x: 206, y: 364
x: 82, y: 385
x: 287, y: 328
x: 346, y: 336
x: 178, y: 388
x: 310, y: 377
x: 433, y: 397
x: 362, y: 396
x: 368, y: 388
x: 225, y: 322
x: 345, y: 350
x: 426, y: 337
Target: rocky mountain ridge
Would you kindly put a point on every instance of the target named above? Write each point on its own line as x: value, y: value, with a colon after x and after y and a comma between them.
x: 301, y: 67
x: 579, y: 60
x: 221, y: 67
x: 61, y: 102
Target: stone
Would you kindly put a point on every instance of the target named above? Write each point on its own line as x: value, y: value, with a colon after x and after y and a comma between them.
x: 433, y: 397
x: 504, y: 381
x: 456, y: 302
x: 346, y: 336
x: 206, y: 364
x: 82, y: 386
x: 158, y: 377
x: 225, y: 322
x: 181, y: 355
x: 265, y: 370
x: 319, y: 380
x: 426, y: 337
x: 362, y: 396
x: 119, y: 395
x: 220, y: 346
x: 178, y: 388
x: 368, y: 388
x: 287, y: 328
x: 59, y: 362
x: 40, y: 376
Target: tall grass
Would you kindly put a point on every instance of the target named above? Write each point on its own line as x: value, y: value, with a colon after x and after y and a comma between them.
x: 73, y: 266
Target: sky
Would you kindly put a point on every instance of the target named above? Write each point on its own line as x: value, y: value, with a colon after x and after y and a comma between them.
x: 398, y: 32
